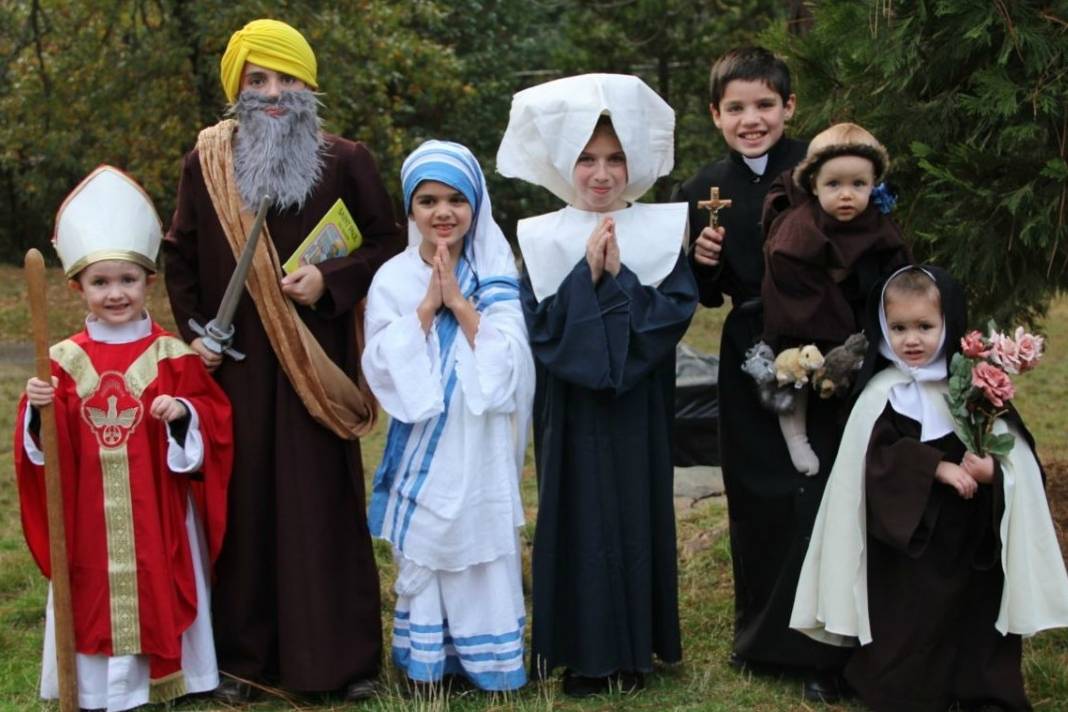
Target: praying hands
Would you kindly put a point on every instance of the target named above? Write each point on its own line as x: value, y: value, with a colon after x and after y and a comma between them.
x: 602, y: 250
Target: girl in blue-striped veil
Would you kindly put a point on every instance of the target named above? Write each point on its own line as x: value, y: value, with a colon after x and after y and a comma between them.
x: 448, y: 359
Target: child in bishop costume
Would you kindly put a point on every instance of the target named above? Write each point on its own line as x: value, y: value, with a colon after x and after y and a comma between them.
x: 145, y: 454
x: 447, y: 357
x: 607, y: 295
x: 935, y: 560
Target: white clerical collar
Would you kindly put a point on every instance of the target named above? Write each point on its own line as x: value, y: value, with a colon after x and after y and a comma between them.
x: 650, y: 236
x: 758, y: 165
x: 118, y: 333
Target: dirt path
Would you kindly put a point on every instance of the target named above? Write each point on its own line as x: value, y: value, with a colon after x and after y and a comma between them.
x: 1057, y: 493
x: 16, y: 353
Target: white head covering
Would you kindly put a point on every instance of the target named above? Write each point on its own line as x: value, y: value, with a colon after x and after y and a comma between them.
x: 550, y: 124
x: 485, y: 246
x: 108, y: 216
x: 549, y: 127
x: 909, y: 399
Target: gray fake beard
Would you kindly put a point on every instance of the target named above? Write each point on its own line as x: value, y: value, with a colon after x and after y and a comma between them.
x: 279, y: 155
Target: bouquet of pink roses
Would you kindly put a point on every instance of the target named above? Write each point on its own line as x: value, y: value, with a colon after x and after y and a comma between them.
x: 980, y: 384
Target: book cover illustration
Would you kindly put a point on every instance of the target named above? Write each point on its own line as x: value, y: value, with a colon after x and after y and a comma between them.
x: 335, y: 235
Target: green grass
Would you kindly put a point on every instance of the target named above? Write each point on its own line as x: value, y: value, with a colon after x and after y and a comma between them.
x: 702, y: 681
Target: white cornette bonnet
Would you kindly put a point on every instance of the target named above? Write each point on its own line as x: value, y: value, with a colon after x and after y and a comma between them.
x: 551, y: 123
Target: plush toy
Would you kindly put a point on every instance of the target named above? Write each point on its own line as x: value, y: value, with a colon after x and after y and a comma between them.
x: 840, y: 367
x: 760, y: 365
x: 795, y: 365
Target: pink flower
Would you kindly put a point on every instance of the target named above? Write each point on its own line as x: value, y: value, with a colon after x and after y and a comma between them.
x: 974, y: 346
x: 1029, y: 348
x: 1005, y: 352
x: 993, y: 382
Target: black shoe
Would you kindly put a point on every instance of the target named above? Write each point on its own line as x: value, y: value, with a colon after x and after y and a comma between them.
x: 627, y: 682
x: 737, y: 662
x: 823, y: 687
x: 582, y: 686
x: 360, y: 690
x: 233, y: 691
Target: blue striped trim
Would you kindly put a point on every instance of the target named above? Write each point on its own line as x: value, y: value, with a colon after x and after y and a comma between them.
x: 403, y: 618
x: 473, y: 657
x: 489, y: 638
x: 406, y: 471
x: 446, y: 162
x: 420, y: 628
x: 497, y: 680
x: 488, y: 300
x: 396, y: 438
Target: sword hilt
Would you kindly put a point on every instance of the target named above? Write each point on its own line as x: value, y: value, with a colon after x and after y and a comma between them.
x: 216, y: 339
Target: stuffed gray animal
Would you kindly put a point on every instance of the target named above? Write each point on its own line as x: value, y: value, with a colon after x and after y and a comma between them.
x: 760, y: 365
x: 840, y: 366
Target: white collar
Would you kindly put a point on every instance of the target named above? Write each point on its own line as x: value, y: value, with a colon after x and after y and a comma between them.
x: 118, y: 333
x: 758, y: 165
x: 650, y: 236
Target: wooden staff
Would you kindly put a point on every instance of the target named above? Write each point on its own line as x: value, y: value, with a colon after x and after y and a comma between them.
x: 62, y: 614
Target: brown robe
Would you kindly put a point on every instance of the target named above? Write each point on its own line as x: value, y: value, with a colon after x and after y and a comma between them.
x: 296, y: 600
x: 934, y: 583
x: 820, y: 269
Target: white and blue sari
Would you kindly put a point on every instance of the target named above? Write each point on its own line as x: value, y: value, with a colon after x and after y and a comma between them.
x: 446, y: 494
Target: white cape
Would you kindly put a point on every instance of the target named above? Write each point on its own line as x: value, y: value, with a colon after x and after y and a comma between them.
x: 831, y: 604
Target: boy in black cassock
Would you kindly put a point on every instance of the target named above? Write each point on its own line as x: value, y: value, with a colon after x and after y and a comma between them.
x: 947, y: 591
x: 766, y: 497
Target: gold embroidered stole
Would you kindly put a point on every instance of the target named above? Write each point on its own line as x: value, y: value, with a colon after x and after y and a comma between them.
x: 110, y: 404
x: 348, y: 409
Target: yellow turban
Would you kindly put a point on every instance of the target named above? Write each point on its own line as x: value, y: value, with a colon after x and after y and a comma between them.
x: 271, y: 44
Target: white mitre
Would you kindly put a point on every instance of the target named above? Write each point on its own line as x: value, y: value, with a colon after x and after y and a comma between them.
x: 548, y: 127
x: 108, y: 216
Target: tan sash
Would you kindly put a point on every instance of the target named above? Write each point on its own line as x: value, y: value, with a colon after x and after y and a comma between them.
x: 348, y: 409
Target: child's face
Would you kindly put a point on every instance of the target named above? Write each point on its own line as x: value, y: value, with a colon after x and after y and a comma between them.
x: 269, y: 83
x: 751, y: 116
x: 843, y: 186
x: 114, y: 290
x: 441, y: 214
x: 914, y: 326
x: 600, y: 174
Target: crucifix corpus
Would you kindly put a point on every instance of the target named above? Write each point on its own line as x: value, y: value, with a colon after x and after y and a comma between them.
x: 713, y: 205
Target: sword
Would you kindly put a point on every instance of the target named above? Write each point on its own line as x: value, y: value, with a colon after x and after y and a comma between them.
x: 218, y: 335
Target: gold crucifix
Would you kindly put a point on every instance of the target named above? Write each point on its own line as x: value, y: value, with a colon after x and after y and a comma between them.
x: 713, y: 205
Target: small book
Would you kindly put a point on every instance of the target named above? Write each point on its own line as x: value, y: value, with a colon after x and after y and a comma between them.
x: 336, y: 235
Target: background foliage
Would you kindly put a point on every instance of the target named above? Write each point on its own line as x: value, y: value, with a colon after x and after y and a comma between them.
x: 970, y: 98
